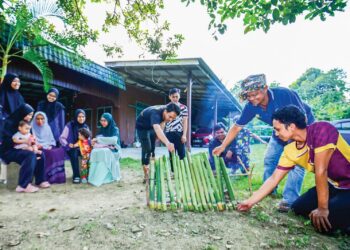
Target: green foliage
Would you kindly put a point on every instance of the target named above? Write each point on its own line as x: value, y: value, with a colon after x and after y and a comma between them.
x: 34, y: 22
x: 140, y: 20
x: 326, y: 92
x: 261, y: 14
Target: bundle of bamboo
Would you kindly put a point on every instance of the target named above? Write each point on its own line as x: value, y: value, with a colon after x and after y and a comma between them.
x: 196, y: 187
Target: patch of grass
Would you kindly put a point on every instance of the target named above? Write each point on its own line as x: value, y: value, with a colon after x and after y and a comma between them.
x: 87, y: 228
x: 210, y: 247
x: 44, y: 217
x: 130, y: 163
x: 240, y: 184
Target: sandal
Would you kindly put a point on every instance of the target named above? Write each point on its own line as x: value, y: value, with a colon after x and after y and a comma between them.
x: 44, y: 184
x: 29, y: 189
x: 76, y: 180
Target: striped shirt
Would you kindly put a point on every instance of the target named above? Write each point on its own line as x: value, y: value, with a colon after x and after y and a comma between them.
x: 177, y: 124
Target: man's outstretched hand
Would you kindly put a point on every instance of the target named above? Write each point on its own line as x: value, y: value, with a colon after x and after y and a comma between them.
x: 218, y: 150
x: 244, y: 206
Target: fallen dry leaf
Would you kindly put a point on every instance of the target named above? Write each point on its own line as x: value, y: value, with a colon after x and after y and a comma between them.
x: 13, y: 243
x: 69, y: 229
x: 42, y: 234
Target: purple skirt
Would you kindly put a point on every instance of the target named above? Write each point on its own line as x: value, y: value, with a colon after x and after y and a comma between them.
x: 54, y: 165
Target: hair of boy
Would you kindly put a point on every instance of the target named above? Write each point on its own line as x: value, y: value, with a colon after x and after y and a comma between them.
x: 174, y: 90
x: 85, y: 132
x: 22, y: 123
x: 172, y: 107
x: 290, y: 114
x: 219, y: 126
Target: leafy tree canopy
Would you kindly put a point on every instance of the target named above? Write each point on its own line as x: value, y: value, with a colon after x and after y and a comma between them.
x: 134, y: 16
x: 261, y: 14
x: 326, y: 92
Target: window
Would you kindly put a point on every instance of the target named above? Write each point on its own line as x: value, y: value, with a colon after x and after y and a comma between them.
x: 139, y: 107
x: 338, y: 125
x: 346, y: 125
x: 100, y: 111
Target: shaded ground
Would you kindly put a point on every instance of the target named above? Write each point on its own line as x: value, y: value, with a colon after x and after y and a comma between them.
x: 114, y: 216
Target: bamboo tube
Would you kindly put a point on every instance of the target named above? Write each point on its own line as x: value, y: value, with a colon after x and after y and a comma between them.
x: 159, y: 190
x: 204, y: 159
x: 204, y: 183
x: 213, y: 183
x: 200, y: 185
x: 152, y: 186
x: 218, y: 176
x: 196, y: 187
x: 170, y: 185
x: 162, y: 184
x: 228, y: 183
x: 191, y: 185
x: 186, y: 185
x: 221, y: 181
x: 177, y: 180
x: 182, y: 185
x: 207, y: 179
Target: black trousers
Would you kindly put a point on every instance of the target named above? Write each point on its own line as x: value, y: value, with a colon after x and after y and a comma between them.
x: 30, y: 166
x: 74, y: 160
x: 175, y: 138
x: 148, y: 140
x: 338, y: 205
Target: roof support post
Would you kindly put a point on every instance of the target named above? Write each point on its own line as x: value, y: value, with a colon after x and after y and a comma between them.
x: 216, y: 111
x: 189, y: 106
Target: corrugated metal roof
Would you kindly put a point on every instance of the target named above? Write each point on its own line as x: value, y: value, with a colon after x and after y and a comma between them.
x: 160, y: 76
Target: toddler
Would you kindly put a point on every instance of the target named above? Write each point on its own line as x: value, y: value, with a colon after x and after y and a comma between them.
x: 85, y: 149
x: 24, y: 140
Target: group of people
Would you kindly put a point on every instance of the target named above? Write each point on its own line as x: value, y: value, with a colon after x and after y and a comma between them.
x: 39, y: 142
x: 298, y: 143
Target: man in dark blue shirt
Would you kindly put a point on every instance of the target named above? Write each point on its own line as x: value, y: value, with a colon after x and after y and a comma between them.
x: 228, y: 155
x: 262, y: 103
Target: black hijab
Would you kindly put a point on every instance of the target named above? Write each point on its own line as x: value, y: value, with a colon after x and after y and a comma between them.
x: 11, y: 125
x: 51, y: 109
x: 10, y: 99
x: 76, y: 126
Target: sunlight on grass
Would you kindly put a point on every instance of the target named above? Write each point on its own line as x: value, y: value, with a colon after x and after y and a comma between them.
x: 130, y: 163
x: 257, y: 157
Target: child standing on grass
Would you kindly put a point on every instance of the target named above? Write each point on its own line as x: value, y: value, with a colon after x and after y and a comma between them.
x: 85, y: 150
x: 24, y: 140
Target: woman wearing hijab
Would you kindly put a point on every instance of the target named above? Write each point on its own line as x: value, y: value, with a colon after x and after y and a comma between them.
x: 54, y: 111
x: 10, y: 98
x: 54, y: 164
x: 104, y: 158
x: 30, y: 165
x: 69, y: 141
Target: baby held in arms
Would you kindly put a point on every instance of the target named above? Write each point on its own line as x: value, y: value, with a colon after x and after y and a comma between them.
x: 24, y: 140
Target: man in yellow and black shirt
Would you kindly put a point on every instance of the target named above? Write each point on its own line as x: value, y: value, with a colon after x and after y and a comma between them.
x: 318, y: 148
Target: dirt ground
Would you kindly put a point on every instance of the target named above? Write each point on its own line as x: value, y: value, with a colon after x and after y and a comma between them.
x: 114, y: 216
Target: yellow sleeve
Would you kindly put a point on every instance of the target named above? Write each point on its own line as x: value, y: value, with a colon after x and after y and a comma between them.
x: 285, y: 163
x: 325, y: 147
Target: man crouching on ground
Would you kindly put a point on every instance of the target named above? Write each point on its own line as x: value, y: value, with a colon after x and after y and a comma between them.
x: 318, y: 148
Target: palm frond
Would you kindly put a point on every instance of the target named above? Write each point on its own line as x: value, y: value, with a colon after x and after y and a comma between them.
x: 42, y: 65
x: 44, y: 9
